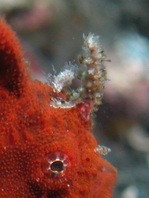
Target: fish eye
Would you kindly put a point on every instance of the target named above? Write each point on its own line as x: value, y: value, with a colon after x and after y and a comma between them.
x: 57, y: 166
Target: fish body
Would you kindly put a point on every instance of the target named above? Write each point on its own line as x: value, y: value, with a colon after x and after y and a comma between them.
x: 45, y: 152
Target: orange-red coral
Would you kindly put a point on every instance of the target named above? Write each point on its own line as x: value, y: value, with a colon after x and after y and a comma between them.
x: 33, y: 135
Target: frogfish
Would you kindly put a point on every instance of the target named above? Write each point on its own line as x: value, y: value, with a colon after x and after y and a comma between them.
x: 47, y: 149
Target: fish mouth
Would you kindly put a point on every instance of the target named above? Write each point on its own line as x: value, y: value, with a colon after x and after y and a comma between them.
x: 43, y: 192
x: 59, y: 193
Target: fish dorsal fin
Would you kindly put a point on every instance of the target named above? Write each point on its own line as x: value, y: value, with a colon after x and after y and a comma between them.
x: 13, y: 76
